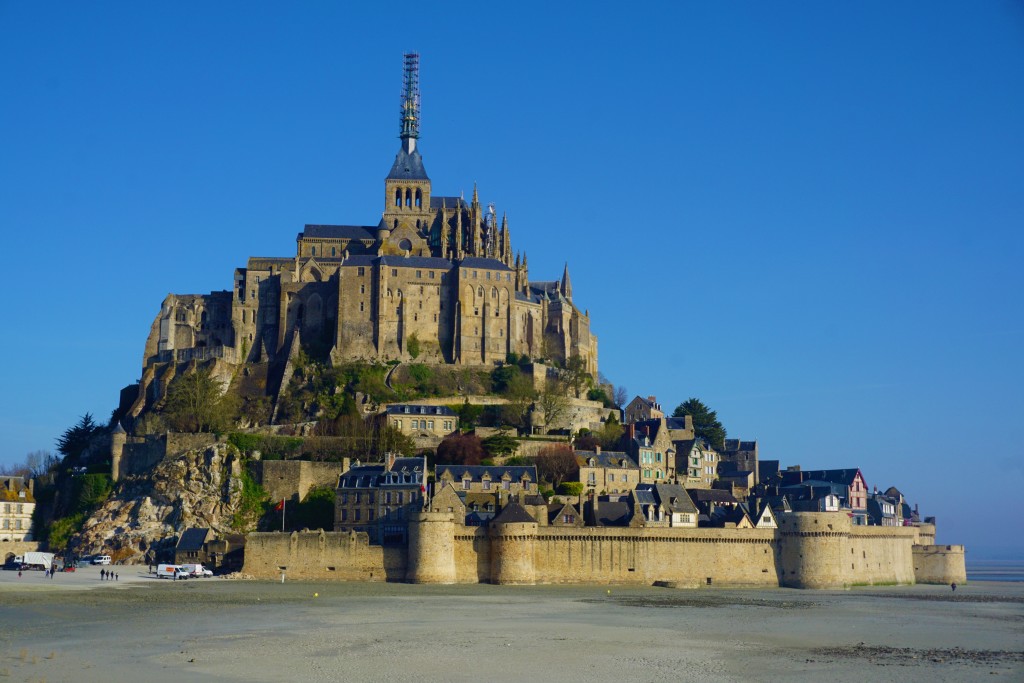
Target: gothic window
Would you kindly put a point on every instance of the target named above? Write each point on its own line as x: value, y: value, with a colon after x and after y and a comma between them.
x: 494, y: 294
x: 334, y: 251
x: 408, y: 197
x: 398, y: 197
x: 312, y: 251
x: 419, y: 199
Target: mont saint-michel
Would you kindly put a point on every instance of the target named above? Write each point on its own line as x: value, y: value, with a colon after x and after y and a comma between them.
x: 399, y: 401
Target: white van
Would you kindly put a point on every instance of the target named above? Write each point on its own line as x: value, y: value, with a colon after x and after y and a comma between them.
x: 197, y: 571
x: 171, y: 571
x: 101, y: 559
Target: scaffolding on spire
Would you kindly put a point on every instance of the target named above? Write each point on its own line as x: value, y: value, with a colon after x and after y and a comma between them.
x: 410, y: 114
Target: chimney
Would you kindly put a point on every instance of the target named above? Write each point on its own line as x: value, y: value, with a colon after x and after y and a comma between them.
x: 389, y: 462
x: 597, y: 449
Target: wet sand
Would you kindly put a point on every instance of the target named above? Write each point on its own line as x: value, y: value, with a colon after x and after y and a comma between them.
x: 77, y: 628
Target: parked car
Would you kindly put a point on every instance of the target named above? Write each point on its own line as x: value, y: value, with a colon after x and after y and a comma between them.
x: 101, y: 559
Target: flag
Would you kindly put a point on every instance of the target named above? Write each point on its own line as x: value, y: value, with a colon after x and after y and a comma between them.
x: 279, y: 506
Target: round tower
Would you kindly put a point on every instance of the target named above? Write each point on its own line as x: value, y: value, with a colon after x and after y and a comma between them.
x: 118, y: 438
x: 513, y: 543
x: 811, y: 547
x: 431, y: 548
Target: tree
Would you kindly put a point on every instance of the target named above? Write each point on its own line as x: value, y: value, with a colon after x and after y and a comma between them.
x: 520, y: 395
x: 575, y: 375
x: 460, y: 449
x: 556, y: 463
x: 499, y: 444
x: 621, y: 396
x: 571, y: 488
x: 554, y: 402
x: 586, y: 441
x: 705, y: 422
x: 503, y: 376
x: 611, y: 433
x: 195, y: 403
x: 75, y: 441
x: 468, y: 415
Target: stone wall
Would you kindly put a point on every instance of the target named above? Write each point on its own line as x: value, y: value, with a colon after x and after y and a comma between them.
x: 293, y: 479
x: 17, y: 548
x: 322, y: 556
x: 809, y: 550
x: 939, y: 564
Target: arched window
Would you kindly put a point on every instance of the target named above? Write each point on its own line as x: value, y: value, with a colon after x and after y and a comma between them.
x: 408, y: 197
x: 419, y: 198
x: 480, y: 292
x: 396, y: 224
x: 333, y: 251
x: 398, y: 197
x: 312, y: 251
x: 494, y: 293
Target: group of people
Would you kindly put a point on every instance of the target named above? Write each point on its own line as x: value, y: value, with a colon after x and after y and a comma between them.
x: 107, y: 575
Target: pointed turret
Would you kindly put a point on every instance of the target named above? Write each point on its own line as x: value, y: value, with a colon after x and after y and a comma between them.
x: 458, y: 232
x: 506, y: 241
x: 565, y: 286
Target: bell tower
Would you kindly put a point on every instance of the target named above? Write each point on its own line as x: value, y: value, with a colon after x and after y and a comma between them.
x: 407, y: 187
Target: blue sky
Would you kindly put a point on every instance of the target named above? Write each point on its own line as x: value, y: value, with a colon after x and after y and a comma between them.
x: 808, y: 214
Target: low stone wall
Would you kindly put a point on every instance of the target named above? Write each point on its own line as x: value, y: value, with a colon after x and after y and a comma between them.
x: 16, y: 548
x: 322, y: 556
x: 940, y: 564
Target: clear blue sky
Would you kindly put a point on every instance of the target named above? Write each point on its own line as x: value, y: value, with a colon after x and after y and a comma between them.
x: 809, y: 215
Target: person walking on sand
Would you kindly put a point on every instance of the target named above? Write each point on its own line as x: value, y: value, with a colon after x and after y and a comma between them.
x: 953, y: 586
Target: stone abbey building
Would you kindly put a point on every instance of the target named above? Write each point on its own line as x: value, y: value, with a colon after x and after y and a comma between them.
x: 436, y: 279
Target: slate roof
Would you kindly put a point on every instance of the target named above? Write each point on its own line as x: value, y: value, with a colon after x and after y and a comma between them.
x: 605, y: 459
x: 408, y: 409
x: 371, y: 476
x: 353, y: 232
x: 675, y: 422
x: 476, y: 472
x: 734, y: 445
x: 645, y: 496
x: 843, y: 476
x: 513, y: 513
x: 675, y: 498
x: 484, y: 263
x: 408, y: 166
x: 710, y: 496
x: 449, y: 202
x: 192, y: 539
x: 614, y: 513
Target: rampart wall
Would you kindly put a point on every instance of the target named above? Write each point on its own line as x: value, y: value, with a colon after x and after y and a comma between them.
x: 17, y: 549
x: 940, y: 564
x: 322, y: 556
x: 809, y: 550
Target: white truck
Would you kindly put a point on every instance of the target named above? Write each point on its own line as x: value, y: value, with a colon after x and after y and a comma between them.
x: 171, y: 571
x: 35, y: 560
x: 197, y: 571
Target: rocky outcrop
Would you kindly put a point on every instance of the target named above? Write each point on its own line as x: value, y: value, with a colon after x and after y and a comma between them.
x: 146, y: 513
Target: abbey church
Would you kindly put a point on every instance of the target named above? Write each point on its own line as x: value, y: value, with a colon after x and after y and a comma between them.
x: 435, y: 280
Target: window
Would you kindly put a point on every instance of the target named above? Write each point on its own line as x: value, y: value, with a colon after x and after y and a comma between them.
x: 362, y: 289
x: 398, y: 197
x: 623, y: 477
x: 568, y: 519
x: 333, y: 251
x: 415, y: 424
x: 360, y: 271
x: 431, y: 275
x: 506, y: 485
x: 419, y: 198
x: 419, y: 273
x: 398, y: 423
x: 487, y: 484
x: 360, y: 305
x: 358, y: 514
x: 430, y: 424
x: 369, y: 515
x: 312, y: 251
x: 465, y: 484
x: 591, y: 479
x: 394, y: 272
x: 611, y: 477
x: 399, y: 497
x: 488, y: 275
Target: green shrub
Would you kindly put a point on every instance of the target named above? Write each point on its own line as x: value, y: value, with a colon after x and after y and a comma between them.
x: 570, y: 488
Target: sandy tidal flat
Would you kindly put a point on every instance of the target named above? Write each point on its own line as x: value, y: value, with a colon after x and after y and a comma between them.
x: 77, y: 628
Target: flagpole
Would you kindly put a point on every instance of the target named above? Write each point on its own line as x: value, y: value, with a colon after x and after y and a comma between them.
x: 284, y: 503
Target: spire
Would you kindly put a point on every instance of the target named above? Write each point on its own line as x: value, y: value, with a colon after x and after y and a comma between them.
x: 506, y: 241
x: 476, y: 197
x: 458, y: 233
x: 410, y: 116
x: 565, y: 286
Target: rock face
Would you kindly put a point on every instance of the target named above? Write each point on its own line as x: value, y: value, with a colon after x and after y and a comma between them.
x: 146, y: 513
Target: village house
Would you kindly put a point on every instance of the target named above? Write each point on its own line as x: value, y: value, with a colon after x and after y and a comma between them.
x: 607, y: 472
x: 701, y: 463
x: 665, y: 505
x: 379, y: 498
x: 855, y: 495
x: 651, y: 447
x: 421, y: 421
x: 17, y: 503
x: 640, y: 409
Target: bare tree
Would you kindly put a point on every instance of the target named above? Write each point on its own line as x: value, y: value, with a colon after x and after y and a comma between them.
x: 621, y: 396
x: 554, y: 401
x: 556, y: 463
